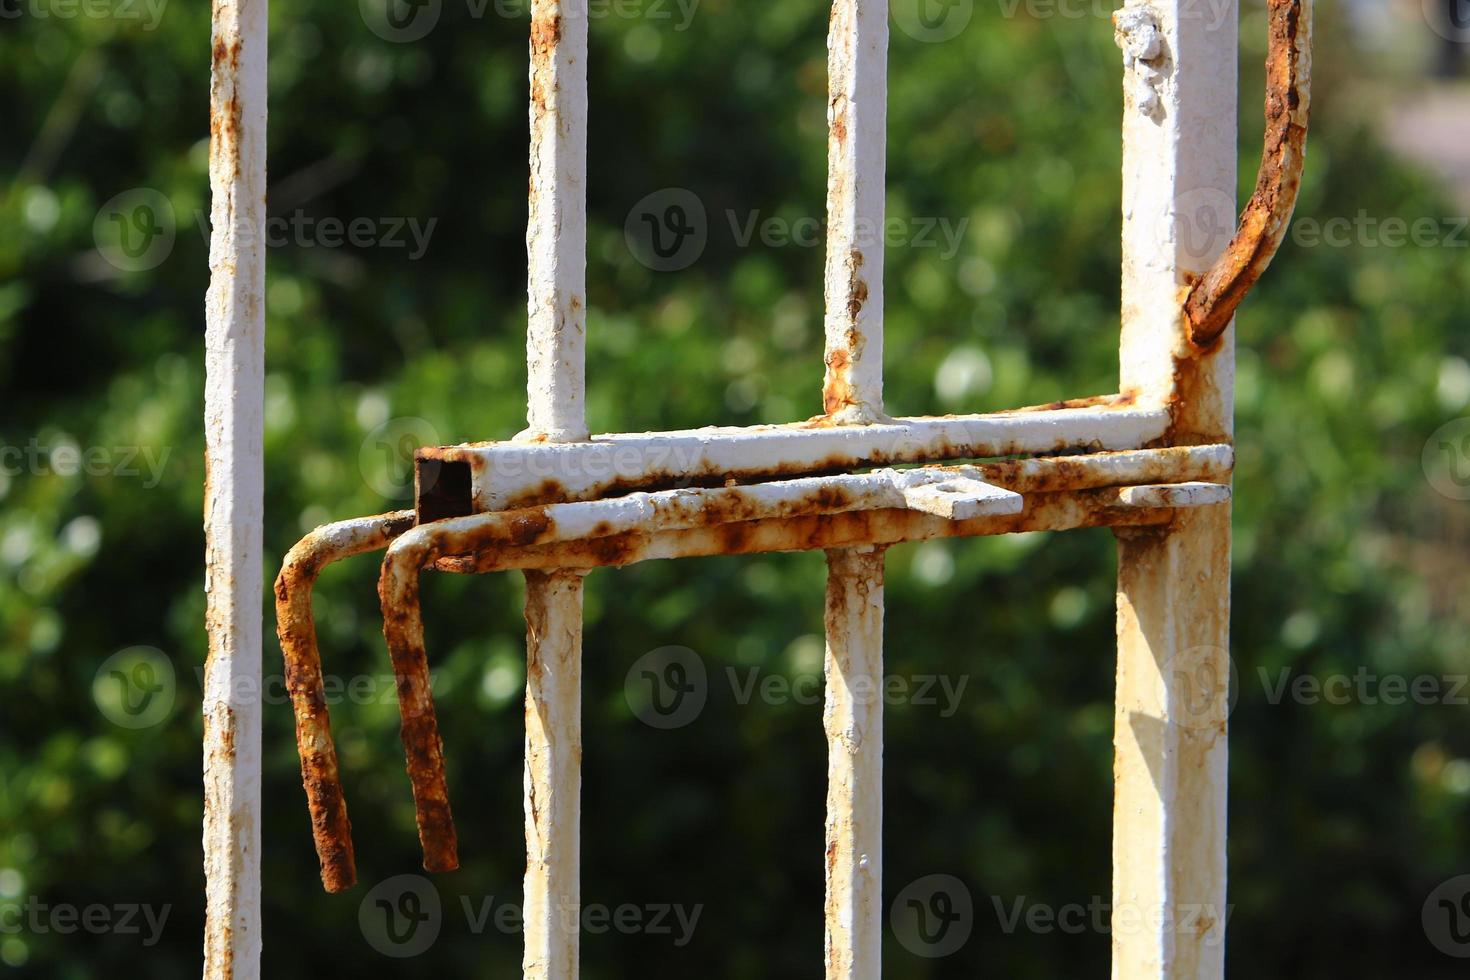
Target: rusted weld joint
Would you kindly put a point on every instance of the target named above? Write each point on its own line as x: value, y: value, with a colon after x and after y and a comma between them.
x: 296, y: 628
x: 1213, y: 299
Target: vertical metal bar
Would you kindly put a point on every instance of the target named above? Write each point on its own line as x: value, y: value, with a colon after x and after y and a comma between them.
x: 857, y: 119
x: 1170, y: 761
x: 853, y: 720
x: 852, y: 392
x: 234, y: 489
x: 553, y: 774
x: 556, y: 235
x: 556, y: 245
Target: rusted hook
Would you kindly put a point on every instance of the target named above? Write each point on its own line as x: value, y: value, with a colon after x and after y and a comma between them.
x: 296, y: 627
x: 1213, y: 300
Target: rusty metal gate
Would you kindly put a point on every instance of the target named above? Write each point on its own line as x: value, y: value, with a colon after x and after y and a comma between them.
x: 1152, y: 462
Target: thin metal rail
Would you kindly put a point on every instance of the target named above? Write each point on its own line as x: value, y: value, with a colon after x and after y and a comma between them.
x: 234, y: 492
x: 556, y: 245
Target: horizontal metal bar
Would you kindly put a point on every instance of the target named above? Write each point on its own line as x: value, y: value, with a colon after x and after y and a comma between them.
x: 504, y: 475
x: 1175, y: 495
x: 1043, y: 512
x: 678, y: 509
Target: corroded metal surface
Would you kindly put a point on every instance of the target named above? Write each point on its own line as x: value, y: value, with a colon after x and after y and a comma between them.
x: 556, y: 233
x: 1169, y: 780
x: 853, y: 721
x: 505, y: 475
x: 1043, y: 512
x: 295, y: 626
x: 556, y: 242
x: 403, y: 629
x: 534, y: 539
x: 857, y: 115
x: 234, y: 488
x: 556, y: 503
x: 553, y: 774
x: 1214, y: 298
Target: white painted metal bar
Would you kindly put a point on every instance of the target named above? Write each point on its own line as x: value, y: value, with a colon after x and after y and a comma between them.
x: 853, y: 720
x: 452, y: 544
x: 556, y: 234
x: 512, y: 474
x: 1170, y: 762
x: 556, y: 246
x: 553, y: 774
x: 234, y: 355
x: 852, y: 394
x: 857, y: 140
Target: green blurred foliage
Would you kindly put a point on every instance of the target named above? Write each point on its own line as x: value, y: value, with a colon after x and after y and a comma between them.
x: 1343, y: 817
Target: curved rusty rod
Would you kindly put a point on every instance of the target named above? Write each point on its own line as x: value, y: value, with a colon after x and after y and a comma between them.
x: 296, y: 627
x: 403, y: 628
x: 1214, y: 298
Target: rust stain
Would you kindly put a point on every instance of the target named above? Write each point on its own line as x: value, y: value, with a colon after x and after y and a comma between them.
x: 529, y: 527
x: 1044, y: 511
x: 837, y: 390
x: 857, y: 292
x: 331, y: 829
x: 1124, y: 400
x: 422, y: 746
x: 545, y: 35
x: 837, y: 107
x: 1191, y: 393
x: 1214, y: 298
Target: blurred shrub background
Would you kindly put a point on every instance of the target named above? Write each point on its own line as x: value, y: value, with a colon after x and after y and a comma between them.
x: 1348, y: 560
